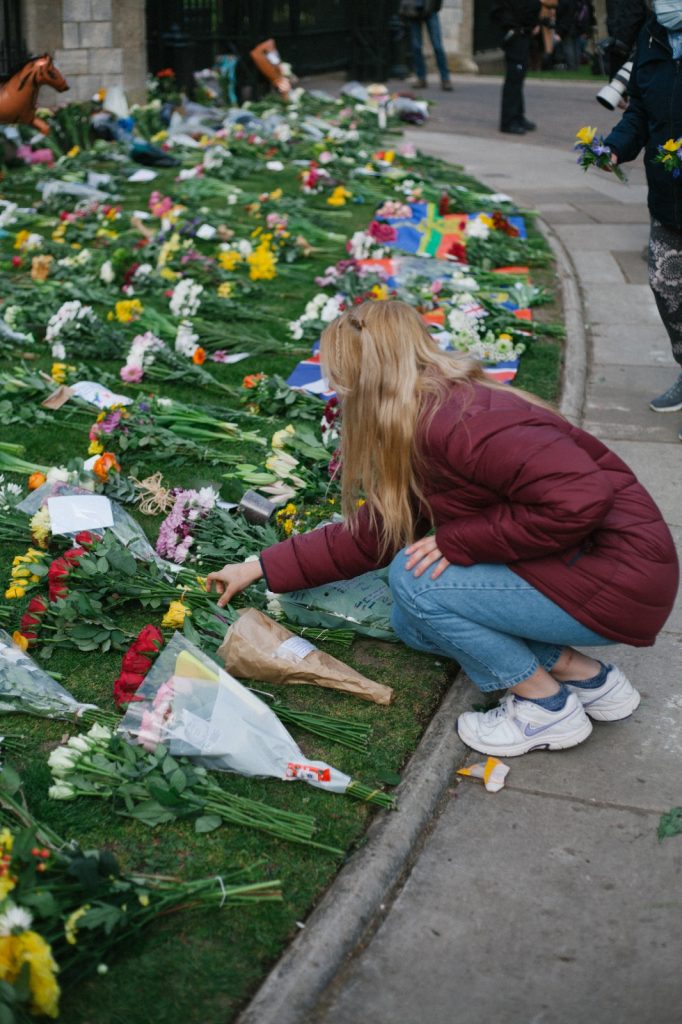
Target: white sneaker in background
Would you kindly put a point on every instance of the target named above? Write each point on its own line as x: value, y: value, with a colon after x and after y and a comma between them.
x: 614, y: 699
x: 518, y: 726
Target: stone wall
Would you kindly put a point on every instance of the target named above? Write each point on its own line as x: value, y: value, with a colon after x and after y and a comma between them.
x: 95, y: 43
x: 457, y: 28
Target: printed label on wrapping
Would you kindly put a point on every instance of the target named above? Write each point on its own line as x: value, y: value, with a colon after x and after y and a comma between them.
x: 295, y: 649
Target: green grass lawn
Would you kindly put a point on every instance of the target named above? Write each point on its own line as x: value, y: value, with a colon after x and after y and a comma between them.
x: 200, y: 967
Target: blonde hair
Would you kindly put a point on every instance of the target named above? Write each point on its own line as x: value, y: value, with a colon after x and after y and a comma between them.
x: 385, y: 366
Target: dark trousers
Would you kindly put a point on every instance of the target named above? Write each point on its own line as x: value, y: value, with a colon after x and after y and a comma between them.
x: 665, y: 278
x: 516, y: 51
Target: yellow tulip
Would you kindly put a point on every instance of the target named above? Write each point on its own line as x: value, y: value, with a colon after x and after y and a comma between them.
x: 20, y: 640
x: 175, y: 616
x: 586, y: 135
x: 672, y: 145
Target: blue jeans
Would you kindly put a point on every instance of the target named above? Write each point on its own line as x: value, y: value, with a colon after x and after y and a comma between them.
x: 433, y: 28
x: 496, y: 625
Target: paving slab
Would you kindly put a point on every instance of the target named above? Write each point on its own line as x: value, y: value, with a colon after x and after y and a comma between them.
x: 657, y: 465
x: 617, y: 403
x: 615, y: 212
x: 609, y: 237
x: 620, y: 304
x: 595, y: 267
x: 633, y: 345
x: 634, y: 763
x: 527, y: 910
x: 635, y: 268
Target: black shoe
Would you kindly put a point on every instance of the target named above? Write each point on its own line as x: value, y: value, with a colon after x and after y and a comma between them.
x: 530, y: 126
x: 513, y: 129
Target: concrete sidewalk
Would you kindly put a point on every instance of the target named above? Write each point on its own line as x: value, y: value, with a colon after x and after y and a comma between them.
x: 552, y: 902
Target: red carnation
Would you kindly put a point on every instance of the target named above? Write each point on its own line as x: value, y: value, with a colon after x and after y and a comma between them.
x: 149, y: 639
x: 382, y: 232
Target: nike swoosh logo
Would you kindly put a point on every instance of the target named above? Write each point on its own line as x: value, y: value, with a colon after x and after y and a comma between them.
x: 533, y: 730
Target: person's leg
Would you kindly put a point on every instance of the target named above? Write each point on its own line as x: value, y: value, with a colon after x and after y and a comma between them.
x: 459, y: 616
x: 665, y: 279
x: 571, y: 52
x: 416, y: 47
x: 433, y: 28
x: 516, y: 59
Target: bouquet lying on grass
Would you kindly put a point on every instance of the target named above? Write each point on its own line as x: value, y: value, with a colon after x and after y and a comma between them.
x: 593, y: 152
x: 199, y: 711
x: 63, y: 910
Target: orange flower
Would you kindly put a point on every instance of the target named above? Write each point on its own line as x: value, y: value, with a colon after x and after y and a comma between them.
x: 104, y: 465
x: 36, y: 480
x: 199, y: 356
x: 252, y: 379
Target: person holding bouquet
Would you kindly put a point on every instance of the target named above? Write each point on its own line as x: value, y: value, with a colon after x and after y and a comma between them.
x: 653, y: 122
x: 513, y: 537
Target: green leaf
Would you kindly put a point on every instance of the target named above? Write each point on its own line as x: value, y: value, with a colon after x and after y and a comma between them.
x: 10, y: 781
x: 670, y: 824
x: 388, y: 777
x: 207, y: 823
x: 178, y: 780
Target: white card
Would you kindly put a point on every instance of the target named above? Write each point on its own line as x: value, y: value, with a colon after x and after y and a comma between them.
x: 97, y: 394
x: 75, y: 512
x: 143, y: 174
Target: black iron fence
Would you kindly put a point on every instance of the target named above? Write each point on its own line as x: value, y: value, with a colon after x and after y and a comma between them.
x: 363, y: 38
x: 12, y: 48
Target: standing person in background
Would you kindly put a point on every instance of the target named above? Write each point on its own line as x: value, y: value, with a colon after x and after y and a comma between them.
x: 575, y: 19
x: 653, y: 117
x: 518, y: 19
x: 418, y: 13
x: 547, y: 27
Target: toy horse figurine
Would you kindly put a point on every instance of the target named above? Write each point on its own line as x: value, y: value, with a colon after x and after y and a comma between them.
x: 19, y: 93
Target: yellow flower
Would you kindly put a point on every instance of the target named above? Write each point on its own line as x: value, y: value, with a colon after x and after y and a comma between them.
x: 379, y: 291
x: 672, y: 145
x: 74, y: 151
x: 40, y: 267
x: 288, y: 527
x: 20, y: 640
x: 21, y: 573
x: 105, y: 233
x: 58, y: 372
x: 144, y: 899
x: 339, y: 196
x: 225, y: 289
x: 14, y: 591
x: 175, y: 616
x: 159, y: 136
x: 31, y: 948
x: 586, y: 135
x: 168, y: 249
x: 276, y: 194
x: 21, y: 238
x: 71, y: 924
x: 127, y: 310
x: 95, y: 448
x: 280, y: 437
x: 229, y: 259
x: 59, y: 232
x: 168, y: 275
x: 262, y: 262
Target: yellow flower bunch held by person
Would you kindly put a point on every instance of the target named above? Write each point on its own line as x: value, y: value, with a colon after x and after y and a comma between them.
x: 586, y: 135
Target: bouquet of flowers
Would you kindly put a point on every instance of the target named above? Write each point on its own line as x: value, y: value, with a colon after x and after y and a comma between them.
x: 199, y: 711
x: 26, y: 688
x: 669, y: 156
x: 593, y: 152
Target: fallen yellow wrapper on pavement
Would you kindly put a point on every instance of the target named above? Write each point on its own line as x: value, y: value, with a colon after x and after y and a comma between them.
x: 493, y: 772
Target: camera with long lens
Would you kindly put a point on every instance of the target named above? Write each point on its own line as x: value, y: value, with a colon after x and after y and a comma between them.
x: 614, y: 91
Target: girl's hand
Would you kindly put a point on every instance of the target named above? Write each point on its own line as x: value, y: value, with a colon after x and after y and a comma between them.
x: 423, y: 553
x: 232, y: 579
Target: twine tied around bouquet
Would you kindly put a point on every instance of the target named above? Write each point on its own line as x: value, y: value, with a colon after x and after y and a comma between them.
x: 154, y: 497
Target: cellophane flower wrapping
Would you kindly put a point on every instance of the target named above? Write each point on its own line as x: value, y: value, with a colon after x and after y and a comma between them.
x: 125, y: 529
x: 198, y: 710
x: 24, y: 687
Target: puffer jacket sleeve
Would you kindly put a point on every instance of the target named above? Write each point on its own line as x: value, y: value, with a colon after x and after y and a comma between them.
x: 631, y: 133
x: 327, y: 554
x: 552, y: 494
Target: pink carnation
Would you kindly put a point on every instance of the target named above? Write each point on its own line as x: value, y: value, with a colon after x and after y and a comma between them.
x: 131, y: 374
x: 382, y: 232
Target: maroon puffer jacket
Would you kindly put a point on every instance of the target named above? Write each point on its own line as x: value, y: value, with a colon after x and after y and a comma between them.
x: 507, y: 481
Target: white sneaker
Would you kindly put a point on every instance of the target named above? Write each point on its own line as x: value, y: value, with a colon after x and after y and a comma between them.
x: 615, y: 699
x: 517, y: 726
